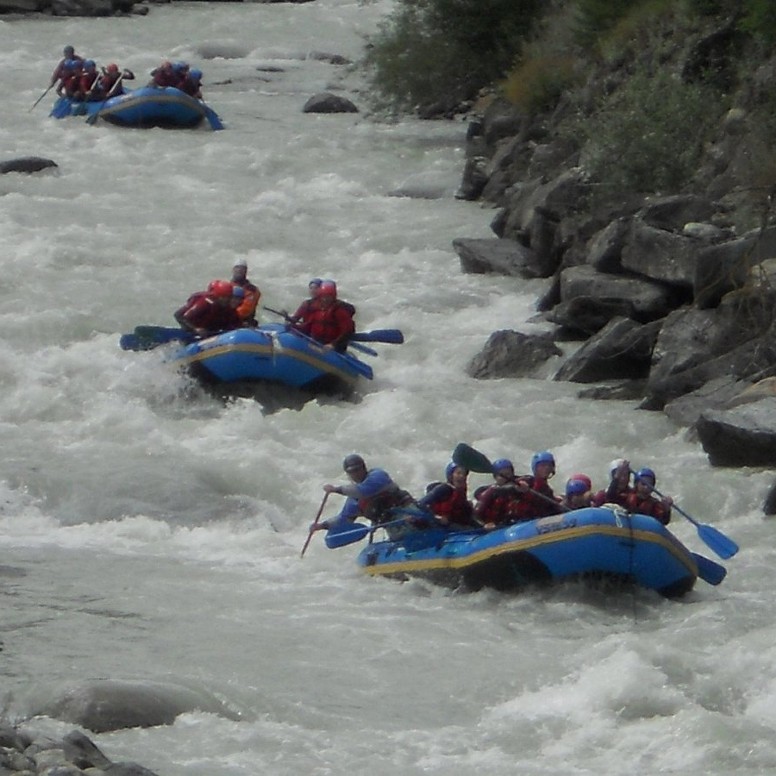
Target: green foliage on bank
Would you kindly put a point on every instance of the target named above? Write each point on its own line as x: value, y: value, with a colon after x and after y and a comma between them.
x: 649, y: 135
x: 441, y: 52
x: 431, y: 56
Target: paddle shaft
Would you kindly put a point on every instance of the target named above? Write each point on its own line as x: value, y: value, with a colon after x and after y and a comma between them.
x: 315, y: 522
x: 714, y: 539
x: 40, y: 98
x: 93, y: 118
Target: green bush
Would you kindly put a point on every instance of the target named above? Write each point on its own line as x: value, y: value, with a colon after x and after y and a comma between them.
x: 760, y: 19
x: 649, y: 135
x: 444, y: 51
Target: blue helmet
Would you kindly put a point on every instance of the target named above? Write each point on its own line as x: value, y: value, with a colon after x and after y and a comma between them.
x: 501, y: 463
x: 542, y: 457
x: 451, y: 467
x: 646, y: 474
x: 179, y: 67
x: 195, y: 74
x: 72, y: 64
x: 238, y: 292
x: 575, y: 487
x: 89, y: 63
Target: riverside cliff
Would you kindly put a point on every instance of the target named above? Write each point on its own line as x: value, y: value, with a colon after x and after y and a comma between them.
x: 667, y: 287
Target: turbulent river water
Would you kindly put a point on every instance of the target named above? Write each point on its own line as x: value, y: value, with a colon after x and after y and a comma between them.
x: 149, y: 533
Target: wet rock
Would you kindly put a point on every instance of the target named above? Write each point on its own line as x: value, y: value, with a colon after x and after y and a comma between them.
x: 498, y: 256
x: 512, y: 354
x: 26, y: 164
x: 622, y: 349
x: 326, y: 102
x: 111, y: 705
x: 742, y: 436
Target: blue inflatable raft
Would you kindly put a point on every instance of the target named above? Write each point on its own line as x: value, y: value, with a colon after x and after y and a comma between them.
x: 148, y: 106
x: 599, y: 543
x: 275, y: 353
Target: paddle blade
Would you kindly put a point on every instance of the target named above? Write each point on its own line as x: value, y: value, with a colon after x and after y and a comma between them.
x: 471, y: 459
x: 708, y: 570
x: 213, y: 119
x: 61, y: 108
x: 717, y: 541
x: 391, y: 336
x: 341, y: 538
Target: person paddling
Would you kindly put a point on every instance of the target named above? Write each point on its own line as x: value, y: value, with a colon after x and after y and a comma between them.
x: 246, y: 310
x: 210, y: 312
x: 61, y: 70
x: 330, y: 320
x: 449, y: 500
x: 371, y: 493
x: 643, y: 501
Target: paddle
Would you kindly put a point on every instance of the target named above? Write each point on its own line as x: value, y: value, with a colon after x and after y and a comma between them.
x: 150, y: 337
x: 355, y: 532
x: 708, y: 570
x: 62, y: 108
x: 92, y: 118
x: 315, y: 522
x: 363, y: 348
x: 713, y: 538
x: 390, y: 336
x: 471, y: 459
x: 40, y: 98
x: 213, y: 119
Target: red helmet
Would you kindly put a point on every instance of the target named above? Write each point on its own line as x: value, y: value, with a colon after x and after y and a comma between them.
x: 582, y: 478
x: 112, y: 68
x: 220, y: 288
x: 327, y: 288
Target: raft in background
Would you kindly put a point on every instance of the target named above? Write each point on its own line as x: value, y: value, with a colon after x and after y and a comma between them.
x: 272, y: 353
x: 148, y: 106
x: 596, y: 543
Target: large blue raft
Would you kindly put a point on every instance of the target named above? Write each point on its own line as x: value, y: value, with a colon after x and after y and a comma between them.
x: 271, y: 353
x: 148, y: 106
x: 600, y: 543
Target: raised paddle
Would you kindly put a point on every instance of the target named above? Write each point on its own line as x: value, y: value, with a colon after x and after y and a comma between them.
x: 712, y: 537
x: 315, y: 522
x: 92, y: 118
x: 40, y: 98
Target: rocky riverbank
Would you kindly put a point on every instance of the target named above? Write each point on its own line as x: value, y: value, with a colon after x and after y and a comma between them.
x: 665, y: 297
x: 25, y: 753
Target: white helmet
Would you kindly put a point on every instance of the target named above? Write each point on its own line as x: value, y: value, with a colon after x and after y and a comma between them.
x: 614, y: 465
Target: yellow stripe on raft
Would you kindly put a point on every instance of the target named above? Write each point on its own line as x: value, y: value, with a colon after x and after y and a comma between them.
x: 566, y: 534
x: 269, y: 350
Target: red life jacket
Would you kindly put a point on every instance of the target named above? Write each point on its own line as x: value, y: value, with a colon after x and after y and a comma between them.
x: 498, y: 504
x: 456, y: 507
x: 330, y: 324
x: 648, y: 506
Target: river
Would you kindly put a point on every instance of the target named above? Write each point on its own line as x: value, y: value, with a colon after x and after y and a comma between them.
x: 149, y: 533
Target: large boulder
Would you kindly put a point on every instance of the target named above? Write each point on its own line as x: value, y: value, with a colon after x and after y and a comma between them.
x: 512, y: 354
x: 103, y: 705
x: 494, y: 255
x: 622, y: 350
x: 741, y: 436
